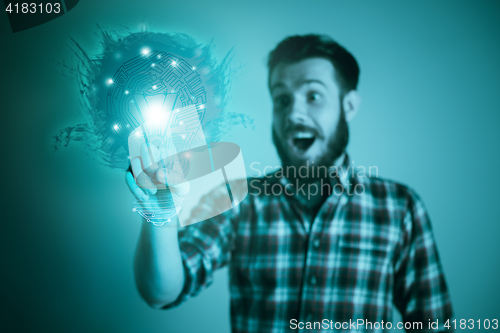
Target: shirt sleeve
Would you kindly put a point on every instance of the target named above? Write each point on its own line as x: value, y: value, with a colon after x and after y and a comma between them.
x: 420, y: 290
x: 205, y: 247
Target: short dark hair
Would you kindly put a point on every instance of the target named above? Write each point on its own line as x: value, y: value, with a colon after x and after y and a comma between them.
x: 296, y: 48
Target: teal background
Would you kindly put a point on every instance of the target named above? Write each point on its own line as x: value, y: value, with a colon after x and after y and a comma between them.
x: 430, y: 83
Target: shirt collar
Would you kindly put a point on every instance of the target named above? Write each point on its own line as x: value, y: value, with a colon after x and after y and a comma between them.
x: 343, y: 173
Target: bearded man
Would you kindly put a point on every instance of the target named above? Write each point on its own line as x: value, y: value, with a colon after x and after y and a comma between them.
x: 332, y: 258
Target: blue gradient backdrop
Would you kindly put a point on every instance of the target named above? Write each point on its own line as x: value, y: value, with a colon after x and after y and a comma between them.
x: 430, y: 82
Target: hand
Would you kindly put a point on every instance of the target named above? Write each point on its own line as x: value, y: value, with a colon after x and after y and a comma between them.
x: 157, y: 184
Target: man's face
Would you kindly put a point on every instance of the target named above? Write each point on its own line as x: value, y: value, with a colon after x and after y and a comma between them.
x: 308, y: 118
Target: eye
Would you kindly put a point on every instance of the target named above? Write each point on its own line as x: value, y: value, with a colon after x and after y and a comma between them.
x: 314, y: 96
x: 281, y: 101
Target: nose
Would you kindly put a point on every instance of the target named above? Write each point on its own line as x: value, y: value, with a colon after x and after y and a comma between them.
x: 298, y: 112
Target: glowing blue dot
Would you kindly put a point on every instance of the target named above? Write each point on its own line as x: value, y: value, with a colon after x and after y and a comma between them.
x: 115, y: 127
x: 110, y: 81
x: 126, y: 92
x: 154, y: 87
x: 174, y: 63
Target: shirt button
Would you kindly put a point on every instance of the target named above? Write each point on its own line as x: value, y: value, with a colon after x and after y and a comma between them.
x: 313, y: 280
x: 316, y: 243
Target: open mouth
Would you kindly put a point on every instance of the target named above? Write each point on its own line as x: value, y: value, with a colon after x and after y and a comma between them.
x: 302, y: 141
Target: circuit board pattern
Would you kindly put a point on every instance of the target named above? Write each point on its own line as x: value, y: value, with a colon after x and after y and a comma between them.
x: 160, y: 213
x: 148, y: 80
x: 174, y: 133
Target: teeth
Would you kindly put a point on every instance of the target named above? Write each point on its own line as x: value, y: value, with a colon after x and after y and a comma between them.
x: 303, y: 135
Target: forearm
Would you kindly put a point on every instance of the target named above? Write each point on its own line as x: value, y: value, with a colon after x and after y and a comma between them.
x: 159, y: 272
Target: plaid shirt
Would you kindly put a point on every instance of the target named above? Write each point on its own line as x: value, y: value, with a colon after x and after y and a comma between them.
x: 359, y: 255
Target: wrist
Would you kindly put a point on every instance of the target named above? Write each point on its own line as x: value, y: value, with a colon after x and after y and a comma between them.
x: 162, y: 222
x: 167, y: 233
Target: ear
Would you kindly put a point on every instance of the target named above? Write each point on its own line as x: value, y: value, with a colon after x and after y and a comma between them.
x: 351, y: 103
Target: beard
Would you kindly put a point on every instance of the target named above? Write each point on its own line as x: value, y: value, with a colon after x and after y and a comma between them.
x: 335, y: 148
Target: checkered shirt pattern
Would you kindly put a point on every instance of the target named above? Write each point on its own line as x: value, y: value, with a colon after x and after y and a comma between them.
x: 359, y: 256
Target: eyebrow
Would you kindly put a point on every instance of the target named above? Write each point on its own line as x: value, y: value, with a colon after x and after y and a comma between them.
x: 302, y: 82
